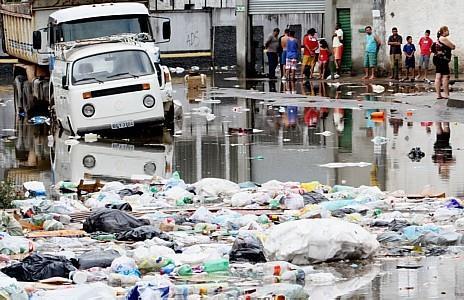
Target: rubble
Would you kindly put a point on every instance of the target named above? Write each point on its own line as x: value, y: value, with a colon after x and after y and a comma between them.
x: 165, y: 238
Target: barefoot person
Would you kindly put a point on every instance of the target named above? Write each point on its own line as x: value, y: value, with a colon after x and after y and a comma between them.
x: 370, y: 52
x: 441, y: 59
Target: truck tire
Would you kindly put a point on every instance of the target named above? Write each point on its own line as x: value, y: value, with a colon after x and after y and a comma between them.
x: 27, y: 98
x: 18, y: 94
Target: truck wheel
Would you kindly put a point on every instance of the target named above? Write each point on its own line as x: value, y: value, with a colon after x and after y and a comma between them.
x: 17, y: 94
x: 27, y: 98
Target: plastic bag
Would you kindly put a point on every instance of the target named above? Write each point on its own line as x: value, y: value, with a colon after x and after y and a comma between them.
x: 441, y: 239
x: 290, y: 291
x: 14, y: 244
x: 150, y: 290
x: 95, y: 290
x: 11, y: 289
x: 216, y: 187
x: 313, y: 198
x: 294, y: 201
x: 112, y: 221
x: 51, y: 225
x: 37, y: 267
x: 241, y: 199
x: 10, y: 225
x: 123, y: 206
x: 202, y: 214
x: 141, y: 233
x: 125, y: 266
x: 315, y: 240
x: 247, y: 248
x: 97, y: 258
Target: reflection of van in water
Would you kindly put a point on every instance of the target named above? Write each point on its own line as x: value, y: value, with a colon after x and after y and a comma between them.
x: 109, y: 161
x: 106, y: 86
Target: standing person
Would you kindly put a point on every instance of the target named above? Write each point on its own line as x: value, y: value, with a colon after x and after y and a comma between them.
x: 283, y: 56
x: 292, y: 55
x: 370, y: 52
x: 271, y: 45
x: 310, y: 44
x: 337, y: 44
x: 441, y: 59
x: 410, y: 62
x: 395, y: 40
x: 324, y: 54
x: 425, y: 44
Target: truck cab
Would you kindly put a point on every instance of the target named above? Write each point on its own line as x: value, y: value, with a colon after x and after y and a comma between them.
x: 107, y: 85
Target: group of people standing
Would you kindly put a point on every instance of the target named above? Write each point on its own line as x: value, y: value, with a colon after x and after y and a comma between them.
x: 286, y: 49
x: 441, y: 50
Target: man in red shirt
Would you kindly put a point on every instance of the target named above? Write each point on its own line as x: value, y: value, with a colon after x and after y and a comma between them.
x: 425, y: 44
x: 310, y: 44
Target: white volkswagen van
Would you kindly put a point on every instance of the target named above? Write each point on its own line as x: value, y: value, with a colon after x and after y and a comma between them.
x: 106, y: 85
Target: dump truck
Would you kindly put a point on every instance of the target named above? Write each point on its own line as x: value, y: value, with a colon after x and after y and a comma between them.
x: 34, y: 30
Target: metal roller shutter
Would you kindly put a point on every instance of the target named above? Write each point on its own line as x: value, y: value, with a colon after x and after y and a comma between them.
x: 264, y: 7
x: 344, y: 18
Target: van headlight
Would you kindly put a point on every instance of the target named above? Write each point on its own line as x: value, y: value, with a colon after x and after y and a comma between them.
x: 149, y: 101
x: 89, y: 161
x: 149, y: 168
x: 88, y: 110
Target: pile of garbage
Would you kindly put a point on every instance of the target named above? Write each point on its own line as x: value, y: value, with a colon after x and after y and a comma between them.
x: 163, y: 238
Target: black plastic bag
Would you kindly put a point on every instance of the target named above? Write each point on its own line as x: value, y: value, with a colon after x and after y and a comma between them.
x: 313, y: 198
x: 38, y: 267
x: 112, y: 221
x: 124, y: 206
x: 247, y: 248
x: 96, y: 258
x: 141, y: 233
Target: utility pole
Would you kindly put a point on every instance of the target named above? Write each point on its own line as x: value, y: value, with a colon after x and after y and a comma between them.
x: 378, y: 16
x: 242, y: 32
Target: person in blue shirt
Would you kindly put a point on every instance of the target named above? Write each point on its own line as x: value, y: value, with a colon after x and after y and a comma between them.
x: 410, y: 62
x: 370, y: 52
x: 292, y: 55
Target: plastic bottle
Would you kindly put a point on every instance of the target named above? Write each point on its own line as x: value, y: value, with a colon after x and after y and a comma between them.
x: 295, y: 276
x: 167, y: 269
x: 184, y: 270
x: 219, y: 265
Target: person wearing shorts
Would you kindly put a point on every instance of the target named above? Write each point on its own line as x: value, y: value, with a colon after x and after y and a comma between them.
x: 410, y: 62
x: 394, y: 41
x: 283, y: 52
x: 310, y: 44
x: 292, y: 55
x: 337, y: 44
x: 425, y: 44
x: 370, y: 53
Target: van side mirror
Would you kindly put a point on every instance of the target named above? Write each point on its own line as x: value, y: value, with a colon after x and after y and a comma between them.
x: 64, y: 82
x: 37, y: 40
x: 167, y: 30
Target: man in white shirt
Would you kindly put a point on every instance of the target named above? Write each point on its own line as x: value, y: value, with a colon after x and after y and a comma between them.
x: 337, y: 44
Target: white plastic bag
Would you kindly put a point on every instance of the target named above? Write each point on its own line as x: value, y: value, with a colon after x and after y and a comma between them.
x: 241, y: 199
x: 294, y: 201
x: 216, y: 187
x: 316, y: 240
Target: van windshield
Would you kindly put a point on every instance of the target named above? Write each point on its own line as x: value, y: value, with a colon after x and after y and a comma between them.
x: 111, y: 66
x: 102, y: 26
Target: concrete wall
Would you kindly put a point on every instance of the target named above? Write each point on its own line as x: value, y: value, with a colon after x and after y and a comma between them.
x: 413, y: 17
x: 190, y: 31
x: 361, y: 16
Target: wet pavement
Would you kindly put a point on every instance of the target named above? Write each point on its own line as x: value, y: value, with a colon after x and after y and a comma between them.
x: 286, y: 145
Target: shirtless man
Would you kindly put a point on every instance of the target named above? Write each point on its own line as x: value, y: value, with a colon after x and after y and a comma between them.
x: 283, y: 57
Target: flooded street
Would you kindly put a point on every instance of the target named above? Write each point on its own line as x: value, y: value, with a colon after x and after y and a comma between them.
x: 287, y: 139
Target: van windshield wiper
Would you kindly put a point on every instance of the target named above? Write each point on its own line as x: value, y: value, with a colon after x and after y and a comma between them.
x: 89, y: 78
x: 123, y: 73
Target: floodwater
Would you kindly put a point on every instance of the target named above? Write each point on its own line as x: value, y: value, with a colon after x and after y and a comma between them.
x: 286, y: 145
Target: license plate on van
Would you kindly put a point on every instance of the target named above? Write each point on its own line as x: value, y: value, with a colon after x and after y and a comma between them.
x: 123, y: 124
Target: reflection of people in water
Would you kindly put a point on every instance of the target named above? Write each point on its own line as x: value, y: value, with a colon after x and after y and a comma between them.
x: 311, y: 116
x: 443, y: 152
x: 396, y: 123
